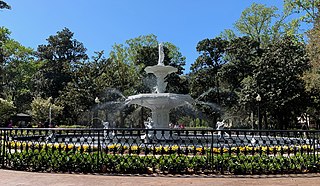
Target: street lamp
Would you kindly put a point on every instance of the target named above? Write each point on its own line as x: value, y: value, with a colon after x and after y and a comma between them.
x: 258, y: 99
x: 96, y: 112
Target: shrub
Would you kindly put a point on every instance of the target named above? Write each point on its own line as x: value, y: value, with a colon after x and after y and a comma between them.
x: 59, y: 160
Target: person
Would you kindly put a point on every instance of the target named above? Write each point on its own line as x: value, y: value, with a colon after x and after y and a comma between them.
x: 10, y: 125
x: 181, y: 126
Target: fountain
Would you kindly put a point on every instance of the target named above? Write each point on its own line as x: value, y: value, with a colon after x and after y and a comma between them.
x: 160, y: 102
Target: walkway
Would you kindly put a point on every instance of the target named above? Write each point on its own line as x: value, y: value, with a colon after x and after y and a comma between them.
x: 18, y: 178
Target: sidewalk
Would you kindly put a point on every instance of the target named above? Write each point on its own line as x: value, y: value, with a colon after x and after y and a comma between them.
x: 19, y: 178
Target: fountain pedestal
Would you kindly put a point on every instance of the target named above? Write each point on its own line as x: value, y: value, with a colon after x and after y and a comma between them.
x: 161, y: 118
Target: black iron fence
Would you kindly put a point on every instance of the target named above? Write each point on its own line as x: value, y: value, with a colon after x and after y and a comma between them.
x: 148, y: 151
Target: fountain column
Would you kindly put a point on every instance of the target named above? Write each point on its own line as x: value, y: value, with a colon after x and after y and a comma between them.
x: 161, y: 118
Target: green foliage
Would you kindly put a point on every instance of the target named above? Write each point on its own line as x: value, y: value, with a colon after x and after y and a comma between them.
x: 4, y: 5
x: 93, y: 162
x: 307, y: 9
x: 41, y: 108
x: 61, y: 57
x: 130, y: 59
x: 263, y: 24
x: 205, y: 69
x: 278, y: 79
x: 243, y: 54
x: 6, y: 110
x: 16, y: 69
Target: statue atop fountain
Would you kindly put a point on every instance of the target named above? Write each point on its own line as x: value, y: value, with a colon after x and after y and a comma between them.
x: 161, y: 55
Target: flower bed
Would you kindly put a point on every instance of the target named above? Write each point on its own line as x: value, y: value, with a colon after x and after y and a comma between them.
x: 116, y: 158
x: 161, y: 150
x: 95, y: 162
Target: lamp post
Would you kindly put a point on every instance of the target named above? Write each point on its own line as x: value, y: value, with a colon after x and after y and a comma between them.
x: 50, y: 115
x: 258, y: 99
x: 97, y: 101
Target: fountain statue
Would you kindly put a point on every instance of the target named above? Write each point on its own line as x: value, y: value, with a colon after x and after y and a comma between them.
x: 107, y: 134
x: 148, y: 136
x: 160, y: 102
x: 220, y: 126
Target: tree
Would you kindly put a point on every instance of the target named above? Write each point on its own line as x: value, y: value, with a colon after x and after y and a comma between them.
x: 142, y: 51
x: 204, y: 81
x: 310, y: 14
x: 17, y: 67
x: 4, y: 38
x: 124, y: 71
x: 307, y: 9
x: 4, y: 5
x: 312, y: 77
x: 263, y: 24
x: 60, y: 57
x: 242, y: 54
x: 277, y: 79
x: 204, y: 72
x: 6, y: 111
x: 40, y: 109
x: 61, y: 60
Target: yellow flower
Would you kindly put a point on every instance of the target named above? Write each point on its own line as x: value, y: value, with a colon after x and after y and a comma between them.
x: 174, y: 147
x: 199, y: 149
x: 83, y: 147
x: 111, y: 146
x: 216, y: 150
x: 134, y: 148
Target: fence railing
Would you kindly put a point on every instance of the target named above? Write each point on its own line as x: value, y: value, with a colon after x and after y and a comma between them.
x: 149, y: 151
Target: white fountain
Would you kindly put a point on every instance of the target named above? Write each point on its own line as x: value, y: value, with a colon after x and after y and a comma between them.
x: 160, y: 102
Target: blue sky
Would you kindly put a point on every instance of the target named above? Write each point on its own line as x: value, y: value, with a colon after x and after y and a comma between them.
x: 101, y: 23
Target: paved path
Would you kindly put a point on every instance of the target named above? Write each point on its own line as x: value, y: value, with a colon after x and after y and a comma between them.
x: 19, y: 178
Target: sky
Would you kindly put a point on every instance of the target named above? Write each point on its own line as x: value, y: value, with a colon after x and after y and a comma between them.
x: 99, y: 24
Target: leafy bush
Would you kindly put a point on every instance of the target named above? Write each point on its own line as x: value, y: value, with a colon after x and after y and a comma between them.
x: 6, y: 110
x: 72, y: 160
x: 40, y: 109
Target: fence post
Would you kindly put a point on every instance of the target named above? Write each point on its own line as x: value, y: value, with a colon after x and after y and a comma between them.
x: 314, y: 146
x: 3, y: 143
x: 211, y: 151
x: 99, y: 149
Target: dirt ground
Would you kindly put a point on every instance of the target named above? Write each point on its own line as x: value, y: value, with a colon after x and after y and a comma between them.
x: 19, y: 178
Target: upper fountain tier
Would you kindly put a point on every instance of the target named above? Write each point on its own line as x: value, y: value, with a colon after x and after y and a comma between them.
x: 160, y: 71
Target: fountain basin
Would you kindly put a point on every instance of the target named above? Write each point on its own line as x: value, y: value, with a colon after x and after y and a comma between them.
x: 160, y: 100
x: 160, y: 105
